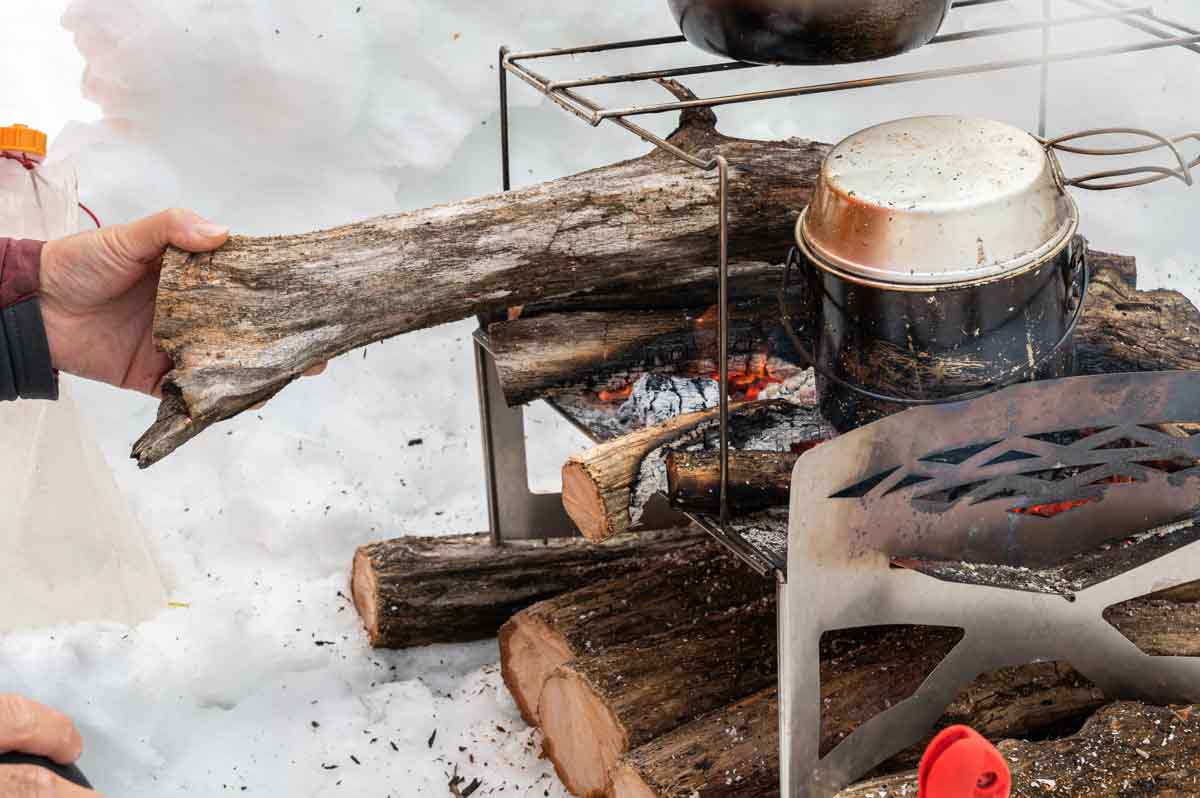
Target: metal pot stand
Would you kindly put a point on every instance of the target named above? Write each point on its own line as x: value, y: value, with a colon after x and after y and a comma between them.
x: 829, y: 579
x: 934, y: 472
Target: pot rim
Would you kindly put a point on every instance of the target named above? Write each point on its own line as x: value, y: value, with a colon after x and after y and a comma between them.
x: 1015, y: 268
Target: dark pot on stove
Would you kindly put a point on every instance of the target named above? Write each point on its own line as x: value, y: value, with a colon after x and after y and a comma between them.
x: 940, y: 260
x: 809, y: 31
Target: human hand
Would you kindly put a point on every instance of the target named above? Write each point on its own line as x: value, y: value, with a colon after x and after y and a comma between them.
x: 30, y: 728
x: 98, y: 293
x: 98, y: 297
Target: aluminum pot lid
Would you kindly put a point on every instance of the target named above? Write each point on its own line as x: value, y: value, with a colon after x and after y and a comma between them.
x: 937, y: 200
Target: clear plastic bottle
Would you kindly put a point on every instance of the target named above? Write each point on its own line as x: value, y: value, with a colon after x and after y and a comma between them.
x: 70, y: 550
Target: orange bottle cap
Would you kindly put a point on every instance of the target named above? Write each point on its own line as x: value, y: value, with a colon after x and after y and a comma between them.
x: 20, y: 138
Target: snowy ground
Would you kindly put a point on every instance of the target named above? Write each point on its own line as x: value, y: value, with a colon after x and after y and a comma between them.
x: 277, y: 116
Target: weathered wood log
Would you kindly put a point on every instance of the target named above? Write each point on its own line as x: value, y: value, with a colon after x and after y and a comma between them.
x: 243, y: 322
x: 734, y: 751
x: 676, y: 594
x: 554, y: 353
x: 756, y: 480
x: 1124, y: 750
x: 598, y: 484
x: 595, y: 708
x: 417, y: 591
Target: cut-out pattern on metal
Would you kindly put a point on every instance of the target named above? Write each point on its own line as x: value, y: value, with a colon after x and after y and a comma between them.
x: 1023, y: 553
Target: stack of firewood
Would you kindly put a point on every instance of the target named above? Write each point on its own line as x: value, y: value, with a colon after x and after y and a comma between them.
x: 656, y: 679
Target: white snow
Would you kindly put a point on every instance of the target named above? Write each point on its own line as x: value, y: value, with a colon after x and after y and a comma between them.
x: 277, y: 116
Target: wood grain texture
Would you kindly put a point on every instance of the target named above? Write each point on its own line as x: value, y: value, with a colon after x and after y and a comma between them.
x: 596, y: 707
x: 676, y: 594
x: 416, y: 591
x: 243, y: 322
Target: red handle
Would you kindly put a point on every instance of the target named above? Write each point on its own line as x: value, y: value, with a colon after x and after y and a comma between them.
x: 960, y: 763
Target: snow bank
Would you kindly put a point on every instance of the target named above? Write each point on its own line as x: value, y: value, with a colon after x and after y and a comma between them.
x: 277, y: 116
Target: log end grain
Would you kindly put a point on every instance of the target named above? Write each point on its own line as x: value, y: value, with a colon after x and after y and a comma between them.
x: 584, y: 502
x: 627, y: 782
x: 364, y: 588
x: 529, y: 652
x: 583, y: 738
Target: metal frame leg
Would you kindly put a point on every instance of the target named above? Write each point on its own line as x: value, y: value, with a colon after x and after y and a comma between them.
x: 514, y: 511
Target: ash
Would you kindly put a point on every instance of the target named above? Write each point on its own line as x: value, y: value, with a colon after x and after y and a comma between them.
x: 660, y: 397
x: 798, y: 421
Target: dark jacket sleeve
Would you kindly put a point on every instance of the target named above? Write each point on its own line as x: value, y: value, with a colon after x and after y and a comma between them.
x: 26, y: 370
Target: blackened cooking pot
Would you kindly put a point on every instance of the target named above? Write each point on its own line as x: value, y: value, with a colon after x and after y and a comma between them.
x: 940, y: 259
x: 809, y: 31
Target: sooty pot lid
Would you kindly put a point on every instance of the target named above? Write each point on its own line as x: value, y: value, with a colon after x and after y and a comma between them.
x: 937, y: 200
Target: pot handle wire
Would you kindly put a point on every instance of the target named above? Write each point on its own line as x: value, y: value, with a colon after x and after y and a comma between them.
x: 1080, y: 273
x: 1108, y: 180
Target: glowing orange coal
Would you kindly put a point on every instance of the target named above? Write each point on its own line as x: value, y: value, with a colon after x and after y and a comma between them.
x: 748, y: 384
x: 616, y: 394
x: 1050, y: 510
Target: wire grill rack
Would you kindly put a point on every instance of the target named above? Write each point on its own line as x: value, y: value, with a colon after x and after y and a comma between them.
x: 1153, y: 32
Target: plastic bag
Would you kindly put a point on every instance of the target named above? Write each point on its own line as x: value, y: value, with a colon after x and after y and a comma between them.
x: 70, y: 549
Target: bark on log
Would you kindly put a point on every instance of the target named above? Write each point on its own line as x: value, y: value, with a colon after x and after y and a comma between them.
x: 757, y: 480
x: 243, y: 322
x: 734, y: 751
x: 598, y: 483
x: 675, y: 595
x: 595, y: 708
x: 1124, y: 750
x: 550, y: 354
x: 417, y: 591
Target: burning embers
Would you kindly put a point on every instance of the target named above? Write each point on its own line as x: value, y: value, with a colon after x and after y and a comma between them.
x: 745, y: 384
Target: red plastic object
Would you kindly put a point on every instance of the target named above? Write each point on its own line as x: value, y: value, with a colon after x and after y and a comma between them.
x: 961, y: 763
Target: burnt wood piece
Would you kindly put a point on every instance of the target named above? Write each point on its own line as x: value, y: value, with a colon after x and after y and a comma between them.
x: 598, y: 483
x: 243, y: 322
x: 1124, y: 329
x: 418, y: 590
x: 1124, y: 750
x: 676, y: 594
x: 554, y: 353
x: 596, y: 707
x: 757, y: 480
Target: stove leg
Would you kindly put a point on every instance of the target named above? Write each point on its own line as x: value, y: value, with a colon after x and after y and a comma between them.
x: 514, y: 511
x: 799, y: 694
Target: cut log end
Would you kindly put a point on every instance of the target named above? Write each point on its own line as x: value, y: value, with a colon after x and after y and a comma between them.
x: 584, y: 502
x: 364, y: 588
x: 529, y: 652
x: 627, y: 782
x: 584, y: 739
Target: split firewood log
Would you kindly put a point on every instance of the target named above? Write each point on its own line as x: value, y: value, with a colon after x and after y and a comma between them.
x: 756, y: 480
x: 1124, y: 750
x: 599, y: 484
x: 596, y: 707
x: 243, y: 322
x: 733, y: 751
x: 539, y: 356
x: 417, y: 591
x: 678, y: 593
